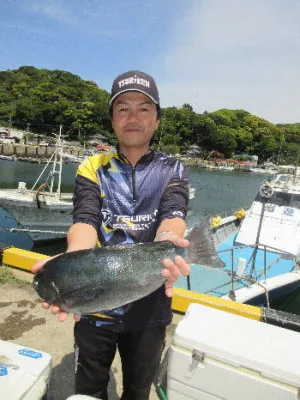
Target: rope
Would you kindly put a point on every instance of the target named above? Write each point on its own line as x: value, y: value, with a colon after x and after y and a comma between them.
x: 31, y: 230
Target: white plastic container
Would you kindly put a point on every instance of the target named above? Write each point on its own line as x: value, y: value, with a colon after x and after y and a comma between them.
x: 219, y: 355
x: 24, y: 372
x: 22, y: 186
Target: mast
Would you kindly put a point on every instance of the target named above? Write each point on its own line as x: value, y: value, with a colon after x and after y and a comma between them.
x: 60, y: 149
x: 58, y: 156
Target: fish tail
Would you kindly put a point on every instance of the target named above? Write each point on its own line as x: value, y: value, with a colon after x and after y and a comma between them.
x: 202, y: 248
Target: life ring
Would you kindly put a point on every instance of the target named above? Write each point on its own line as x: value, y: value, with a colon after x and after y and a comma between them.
x: 240, y: 214
x: 216, y: 221
x: 266, y: 190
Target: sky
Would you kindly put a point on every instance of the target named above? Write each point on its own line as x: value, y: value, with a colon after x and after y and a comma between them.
x: 211, y: 54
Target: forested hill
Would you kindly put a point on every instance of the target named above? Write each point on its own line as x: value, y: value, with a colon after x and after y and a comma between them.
x: 41, y: 100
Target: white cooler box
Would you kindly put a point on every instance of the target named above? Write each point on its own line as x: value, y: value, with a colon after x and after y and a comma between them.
x: 24, y: 372
x: 219, y: 355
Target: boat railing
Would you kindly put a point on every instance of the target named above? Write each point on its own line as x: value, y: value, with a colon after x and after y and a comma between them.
x: 254, y: 274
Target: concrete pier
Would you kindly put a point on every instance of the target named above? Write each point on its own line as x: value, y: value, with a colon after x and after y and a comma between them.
x: 25, y: 322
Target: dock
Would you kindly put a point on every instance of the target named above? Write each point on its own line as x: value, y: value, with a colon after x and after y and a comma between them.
x: 25, y: 322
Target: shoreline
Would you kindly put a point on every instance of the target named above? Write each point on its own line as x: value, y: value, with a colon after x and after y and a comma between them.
x: 212, y: 164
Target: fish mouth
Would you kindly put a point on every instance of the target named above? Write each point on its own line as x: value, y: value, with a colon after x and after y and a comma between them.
x: 49, y: 293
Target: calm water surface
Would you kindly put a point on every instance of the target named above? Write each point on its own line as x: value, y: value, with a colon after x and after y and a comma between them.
x: 12, y: 172
x: 216, y: 191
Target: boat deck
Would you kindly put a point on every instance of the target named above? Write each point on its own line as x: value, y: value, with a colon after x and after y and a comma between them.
x: 217, y: 282
x: 214, y: 282
x: 278, y: 264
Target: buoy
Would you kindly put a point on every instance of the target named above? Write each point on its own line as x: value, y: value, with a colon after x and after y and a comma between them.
x: 216, y: 221
x: 240, y: 214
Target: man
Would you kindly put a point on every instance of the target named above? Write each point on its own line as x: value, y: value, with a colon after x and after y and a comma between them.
x: 130, y: 194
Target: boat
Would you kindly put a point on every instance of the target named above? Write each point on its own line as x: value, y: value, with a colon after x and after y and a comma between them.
x: 9, y: 158
x: 260, y: 249
x: 43, y: 211
x: 12, y: 233
x: 72, y: 159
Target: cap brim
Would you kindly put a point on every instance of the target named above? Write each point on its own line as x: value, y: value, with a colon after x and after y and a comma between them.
x: 132, y: 90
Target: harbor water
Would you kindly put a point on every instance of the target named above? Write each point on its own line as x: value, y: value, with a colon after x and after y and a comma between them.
x: 217, y: 192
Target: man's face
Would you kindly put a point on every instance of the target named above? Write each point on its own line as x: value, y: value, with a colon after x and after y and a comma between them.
x: 134, y: 119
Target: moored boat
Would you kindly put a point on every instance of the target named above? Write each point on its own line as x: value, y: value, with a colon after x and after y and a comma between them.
x: 261, y: 252
x: 43, y: 211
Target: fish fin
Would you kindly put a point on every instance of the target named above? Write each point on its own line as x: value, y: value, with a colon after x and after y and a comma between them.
x: 202, y: 249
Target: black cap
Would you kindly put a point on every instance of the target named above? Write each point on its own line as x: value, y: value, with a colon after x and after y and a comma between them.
x: 135, y: 81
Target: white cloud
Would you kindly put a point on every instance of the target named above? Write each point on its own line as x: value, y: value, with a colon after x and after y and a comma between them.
x: 53, y: 10
x: 236, y: 54
x: 95, y: 17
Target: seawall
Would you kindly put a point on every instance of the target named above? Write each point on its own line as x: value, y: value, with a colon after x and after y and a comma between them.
x: 34, y: 151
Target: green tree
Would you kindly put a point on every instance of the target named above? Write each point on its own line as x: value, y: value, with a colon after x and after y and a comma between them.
x: 224, y: 140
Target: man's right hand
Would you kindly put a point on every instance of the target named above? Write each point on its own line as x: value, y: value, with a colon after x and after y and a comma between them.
x: 61, y: 315
x: 80, y: 236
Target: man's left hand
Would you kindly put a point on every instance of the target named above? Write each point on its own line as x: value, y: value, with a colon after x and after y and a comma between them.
x: 174, y: 269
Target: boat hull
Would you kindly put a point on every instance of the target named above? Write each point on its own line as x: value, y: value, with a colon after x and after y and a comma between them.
x: 276, y: 288
x: 43, y: 221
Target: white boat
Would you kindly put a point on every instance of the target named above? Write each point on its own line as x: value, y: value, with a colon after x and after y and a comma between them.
x: 269, y: 171
x: 44, y: 212
x: 10, y: 158
x: 73, y: 159
x: 261, y: 253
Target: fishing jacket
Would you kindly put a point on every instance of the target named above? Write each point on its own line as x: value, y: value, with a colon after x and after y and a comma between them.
x: 126, y: 204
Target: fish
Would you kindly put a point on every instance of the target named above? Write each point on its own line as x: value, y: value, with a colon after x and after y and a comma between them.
x: 94, y: 280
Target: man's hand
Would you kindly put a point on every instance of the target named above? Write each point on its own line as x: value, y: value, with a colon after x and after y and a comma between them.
x: 61, y: 315
x: 173, y: 270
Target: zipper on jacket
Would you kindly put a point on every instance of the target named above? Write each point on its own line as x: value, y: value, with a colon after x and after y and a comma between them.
x: 133, y: 177
x: 124, y: 158
x: 133, y: 183
x: 133, y: 174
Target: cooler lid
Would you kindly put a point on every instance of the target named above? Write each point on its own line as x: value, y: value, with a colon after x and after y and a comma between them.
x: 241, y: 342
x: 20, y: 369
